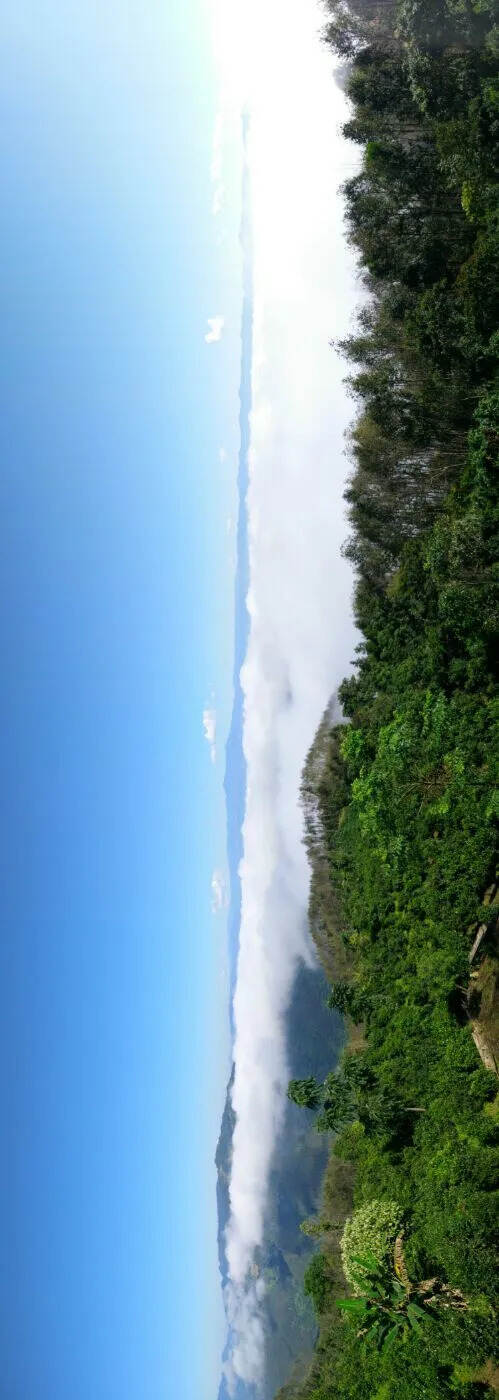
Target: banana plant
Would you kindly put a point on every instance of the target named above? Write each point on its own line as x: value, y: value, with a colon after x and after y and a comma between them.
x: 388, y: 1308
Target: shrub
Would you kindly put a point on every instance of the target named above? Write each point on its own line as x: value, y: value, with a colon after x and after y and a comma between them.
x: 370, y: 1230
x: 317, y: 1283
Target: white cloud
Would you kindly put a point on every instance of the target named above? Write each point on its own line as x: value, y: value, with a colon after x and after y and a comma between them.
x: 301, y: 625
x: 210, y: 730
x: 222, y: 455
x: 214, y: 333
x: 219, y: 893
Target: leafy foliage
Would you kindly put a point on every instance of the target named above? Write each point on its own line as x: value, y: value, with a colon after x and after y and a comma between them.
x: 316, y: 1282
x: 371, y: 1231
x: 386, y: 1310
x: 400, y: 792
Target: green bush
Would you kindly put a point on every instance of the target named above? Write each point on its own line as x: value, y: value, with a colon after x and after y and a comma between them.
x: 317, y: 1283
x: 372, y: 1229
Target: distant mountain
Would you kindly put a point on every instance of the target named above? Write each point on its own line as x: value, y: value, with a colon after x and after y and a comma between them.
x: 314, y: 1038
x: 300, y: 1153
x: 235, y: 763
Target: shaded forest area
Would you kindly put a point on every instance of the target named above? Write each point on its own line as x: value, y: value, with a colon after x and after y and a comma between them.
x: 400, y: 797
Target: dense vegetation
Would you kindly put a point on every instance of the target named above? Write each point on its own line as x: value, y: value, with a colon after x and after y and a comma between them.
x: 400, y: 791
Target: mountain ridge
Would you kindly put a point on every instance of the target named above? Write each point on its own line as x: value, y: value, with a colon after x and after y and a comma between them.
x: 295, y: 1181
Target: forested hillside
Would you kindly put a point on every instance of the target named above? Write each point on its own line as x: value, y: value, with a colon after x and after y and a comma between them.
x: 400, y: 796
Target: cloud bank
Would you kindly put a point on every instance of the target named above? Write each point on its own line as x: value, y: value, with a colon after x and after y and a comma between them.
x: 301, y: 627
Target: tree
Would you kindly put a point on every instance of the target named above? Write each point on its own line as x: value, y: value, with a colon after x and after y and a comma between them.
x: 315, y: 1227
x: 348, y: 999
x: 317, y: 1283
x: 339, y: 1104
x: 350, y: 1092
x: 304, y: 1092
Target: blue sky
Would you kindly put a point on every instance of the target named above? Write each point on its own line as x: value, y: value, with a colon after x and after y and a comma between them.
x: 115, y: 623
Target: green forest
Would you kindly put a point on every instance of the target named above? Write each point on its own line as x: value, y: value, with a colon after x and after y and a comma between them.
x: 400, y: 798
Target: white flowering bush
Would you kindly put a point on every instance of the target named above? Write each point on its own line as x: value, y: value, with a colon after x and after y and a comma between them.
x: 371, y: 1230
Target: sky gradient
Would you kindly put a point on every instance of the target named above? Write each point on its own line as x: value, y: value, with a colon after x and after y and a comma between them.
x: 115, y: 626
